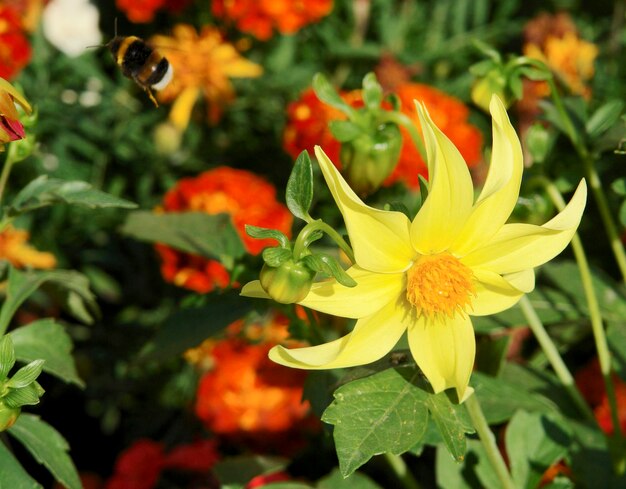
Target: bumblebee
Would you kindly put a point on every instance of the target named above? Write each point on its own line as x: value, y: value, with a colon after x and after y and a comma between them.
x: 142, y: 63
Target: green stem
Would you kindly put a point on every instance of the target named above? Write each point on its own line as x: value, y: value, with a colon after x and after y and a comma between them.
x: 406, y: 122
x: 320, y: 225
x: 597, y: 326
x: 555, y: 359
x: 401, y: 471
x: 4, y: 176
x: 605, y: 214
x: 594, y: 180
x: 488, y: 441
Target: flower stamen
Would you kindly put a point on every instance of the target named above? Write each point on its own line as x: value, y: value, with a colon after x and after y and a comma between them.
x: 440, y: 285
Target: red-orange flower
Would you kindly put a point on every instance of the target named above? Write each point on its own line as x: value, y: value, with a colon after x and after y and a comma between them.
x: 142, y: 11
x: 307, y: 126
x: 261, y: 17
x: 15, y: 50
x: 248, y: 198
x: 140, y: 466
x: 245, y: 395
x: 589, y: 382
x: 308, y: 120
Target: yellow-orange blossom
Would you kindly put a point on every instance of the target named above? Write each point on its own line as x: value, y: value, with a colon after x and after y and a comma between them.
x: 427, y: 276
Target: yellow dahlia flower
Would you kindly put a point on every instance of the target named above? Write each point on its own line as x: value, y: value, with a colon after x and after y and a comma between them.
x: 456, y: 259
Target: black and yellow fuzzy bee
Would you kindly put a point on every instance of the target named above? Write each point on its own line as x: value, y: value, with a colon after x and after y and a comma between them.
x: 142, y: 63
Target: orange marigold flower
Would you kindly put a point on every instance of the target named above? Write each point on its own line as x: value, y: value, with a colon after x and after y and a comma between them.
x: 29, y: 12
x: 15, y: 249
x: 15, y: 50
x: 248, y: 198
x: 247, y: 395
x: 554, y: 40
x: 308, y: 120
x: 203, y: 63
x: 307, y: 126
x: 261, y: 17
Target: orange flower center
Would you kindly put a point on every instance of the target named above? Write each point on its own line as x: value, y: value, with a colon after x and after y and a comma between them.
x: 214, y: 203
x: 439, y: 284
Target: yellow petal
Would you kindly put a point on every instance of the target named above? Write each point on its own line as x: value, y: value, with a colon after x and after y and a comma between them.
x: 519, y: 247
x: 253, y: 289
x: 450, y: 195
x: 501, y: 191
x: 495, y: 293
x: 372, y: 338
x: 17, y: 96
x: 372, y: 292
x: 445, y: 350
x: 380, y: 239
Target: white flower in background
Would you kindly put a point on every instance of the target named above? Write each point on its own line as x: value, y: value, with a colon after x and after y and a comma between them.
x: 71, y: 25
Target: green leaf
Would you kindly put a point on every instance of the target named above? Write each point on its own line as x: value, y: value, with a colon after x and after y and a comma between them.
x: 239, y: 470
x: 383, y: 413
x: 452, y: 422
x: 372, y: 91
x: 44, y: 191
x: 206, y: 235
x: 619, y: 187
x: 322, y: 262
x: 48, y: 447
x: 344, y: 131
x: 475, y: 471
x: 12, y: 474
x: 603, y: 118
x: 500, y: 400
x: 275, y: 257
x: 47, y: 340
x: 24, y: 396
x: 264, y: 233
x: 335, y: 480
x: 327, y: 94
x: 187, y: 328
x: 7, y: 356
x: 26, y: 375
x: 299, y: 193
x: 22, y: 284
x: 533, y: 443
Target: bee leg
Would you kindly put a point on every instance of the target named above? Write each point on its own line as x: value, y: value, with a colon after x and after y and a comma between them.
x: 150, y: 94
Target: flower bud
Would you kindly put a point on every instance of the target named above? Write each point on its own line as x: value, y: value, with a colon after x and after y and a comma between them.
x: 8, y: 416
x: 370, y: 158
x: 288, y: 283
x: 494, y: 82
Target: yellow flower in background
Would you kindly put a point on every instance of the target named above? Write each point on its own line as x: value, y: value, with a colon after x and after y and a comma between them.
x: 15, y: 249
x: 203, y: 64
x: 427, y: 276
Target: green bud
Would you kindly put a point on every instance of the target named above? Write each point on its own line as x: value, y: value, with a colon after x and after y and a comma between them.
x: 539, y: 142
x: 8, y: 416
x: 370, y: 158
x: 494, y: 82
x: 288, y: 283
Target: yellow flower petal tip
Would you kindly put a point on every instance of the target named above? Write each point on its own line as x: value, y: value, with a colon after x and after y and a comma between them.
x: 457, y: 258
